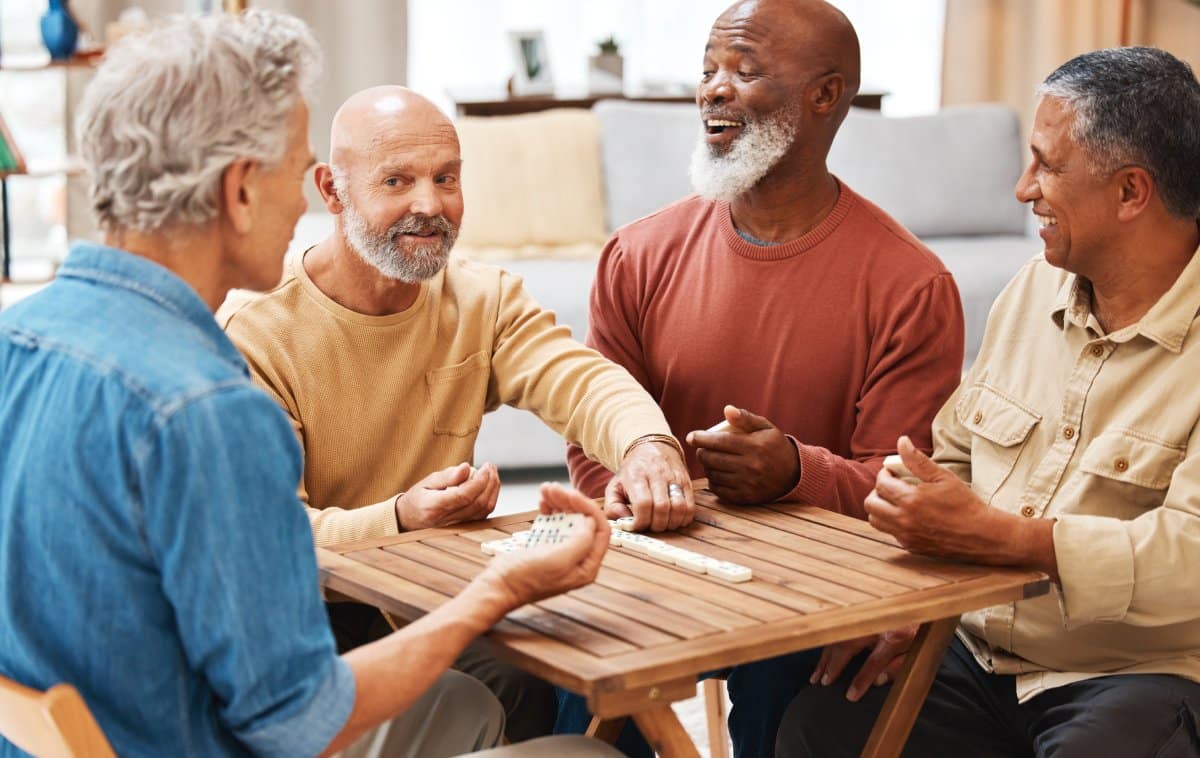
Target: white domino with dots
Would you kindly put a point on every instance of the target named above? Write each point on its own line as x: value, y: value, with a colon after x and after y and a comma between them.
x: 895, y: 464
x: 625, y: 523
x: 723, y: 426
x: 553, y: 528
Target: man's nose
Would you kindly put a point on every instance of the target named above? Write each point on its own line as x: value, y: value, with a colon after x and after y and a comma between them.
x: 716, y: 91
x: 426, y: 200
x: 1027, y: 189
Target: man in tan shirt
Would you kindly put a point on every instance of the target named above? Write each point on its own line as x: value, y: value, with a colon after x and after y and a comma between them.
x: 386, y: 354
x: 1071, y: 447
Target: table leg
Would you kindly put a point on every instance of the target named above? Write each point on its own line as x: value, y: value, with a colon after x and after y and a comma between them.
x: 661, y: 728
x: 606, y: 730
x: 908, y: 693
x: 714, y: 710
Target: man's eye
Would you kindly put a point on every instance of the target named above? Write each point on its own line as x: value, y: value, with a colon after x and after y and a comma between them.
x: 705, y: 76
x: 448, y: 179
x: 391, y: 181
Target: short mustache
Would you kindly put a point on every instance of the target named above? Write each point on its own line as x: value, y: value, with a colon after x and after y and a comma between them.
x: 413, y: 223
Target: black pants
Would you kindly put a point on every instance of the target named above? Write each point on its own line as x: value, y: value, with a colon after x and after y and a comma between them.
x: 970, y: 712
x: 530, y: 704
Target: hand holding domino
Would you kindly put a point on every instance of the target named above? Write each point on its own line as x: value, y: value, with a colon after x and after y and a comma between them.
x: 895, y: 464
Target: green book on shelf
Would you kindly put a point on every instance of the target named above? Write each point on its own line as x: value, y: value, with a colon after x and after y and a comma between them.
x: 11, y: 161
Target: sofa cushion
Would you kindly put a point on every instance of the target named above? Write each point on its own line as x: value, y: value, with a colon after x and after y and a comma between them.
x: 982, y: 267
x: 951, y: 173
x: 531, y: 184
x: 646, y: 148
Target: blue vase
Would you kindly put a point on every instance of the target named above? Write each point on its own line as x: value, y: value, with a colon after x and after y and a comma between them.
x: 60, y: 33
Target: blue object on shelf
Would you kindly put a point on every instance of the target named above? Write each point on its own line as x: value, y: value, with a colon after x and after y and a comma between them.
x: 60, y: 33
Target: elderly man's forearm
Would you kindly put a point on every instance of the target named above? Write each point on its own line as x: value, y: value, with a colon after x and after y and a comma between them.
x: 392, y: 673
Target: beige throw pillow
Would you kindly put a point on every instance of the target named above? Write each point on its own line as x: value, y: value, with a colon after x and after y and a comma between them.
x: 532, y: 185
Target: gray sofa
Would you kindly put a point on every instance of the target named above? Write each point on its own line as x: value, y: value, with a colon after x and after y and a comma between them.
x: 948, y: 177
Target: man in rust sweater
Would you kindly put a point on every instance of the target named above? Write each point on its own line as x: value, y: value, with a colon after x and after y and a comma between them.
x: 779, y: 300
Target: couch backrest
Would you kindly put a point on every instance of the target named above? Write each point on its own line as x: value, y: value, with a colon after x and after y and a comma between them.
x: 951, y: 173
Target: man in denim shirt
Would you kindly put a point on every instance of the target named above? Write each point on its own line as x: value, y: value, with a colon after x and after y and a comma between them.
x: 152, y: 549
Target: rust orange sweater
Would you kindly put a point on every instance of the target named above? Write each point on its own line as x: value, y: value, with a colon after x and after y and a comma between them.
x: 845, y: 338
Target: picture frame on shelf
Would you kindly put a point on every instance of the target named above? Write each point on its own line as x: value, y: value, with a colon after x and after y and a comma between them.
x: 531, y: 63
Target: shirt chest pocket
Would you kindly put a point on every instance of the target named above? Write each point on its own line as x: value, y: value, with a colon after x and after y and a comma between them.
x: 999, y: 428
x: 1129, y: 469
x: 457, y: 395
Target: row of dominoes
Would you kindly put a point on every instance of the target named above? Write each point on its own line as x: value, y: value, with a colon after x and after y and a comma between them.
x: 552, y: 529
x: 686, y: 559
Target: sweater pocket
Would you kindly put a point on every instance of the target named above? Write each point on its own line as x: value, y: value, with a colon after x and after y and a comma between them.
x: 457, y: 394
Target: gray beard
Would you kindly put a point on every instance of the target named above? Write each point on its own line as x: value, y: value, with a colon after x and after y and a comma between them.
x: 761, y: 145
x: 381, y: 252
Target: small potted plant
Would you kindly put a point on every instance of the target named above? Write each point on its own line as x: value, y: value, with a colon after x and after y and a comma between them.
x: 606, y: 68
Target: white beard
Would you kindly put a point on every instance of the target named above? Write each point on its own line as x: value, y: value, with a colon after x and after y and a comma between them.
x: 760, y: 146
x: 381, y: 252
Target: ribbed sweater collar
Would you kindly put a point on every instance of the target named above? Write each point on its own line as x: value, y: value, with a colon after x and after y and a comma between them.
x: 816, y: 235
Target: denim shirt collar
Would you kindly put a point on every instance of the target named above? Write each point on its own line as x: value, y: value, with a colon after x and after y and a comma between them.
x: 113, y: 267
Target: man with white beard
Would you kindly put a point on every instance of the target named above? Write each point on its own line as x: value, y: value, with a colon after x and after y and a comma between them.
x: 385, y: 354
x: 781, y: 302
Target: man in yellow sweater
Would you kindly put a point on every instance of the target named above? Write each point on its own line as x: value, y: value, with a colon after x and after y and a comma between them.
x: 386, y: 354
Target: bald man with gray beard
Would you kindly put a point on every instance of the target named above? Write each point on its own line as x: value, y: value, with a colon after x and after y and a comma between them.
x: 386, y: 353
x: 781, y: 302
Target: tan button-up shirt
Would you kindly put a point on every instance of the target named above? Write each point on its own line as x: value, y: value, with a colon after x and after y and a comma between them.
x: 1057, y: 419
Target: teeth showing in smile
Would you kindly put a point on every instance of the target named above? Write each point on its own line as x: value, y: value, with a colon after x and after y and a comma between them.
x: 715, y: 122
x: 1045, y: 221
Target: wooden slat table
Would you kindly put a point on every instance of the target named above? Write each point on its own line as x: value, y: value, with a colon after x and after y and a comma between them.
x: 637, y: 639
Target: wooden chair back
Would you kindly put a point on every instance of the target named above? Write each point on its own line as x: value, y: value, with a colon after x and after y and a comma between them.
x: 51, y: 724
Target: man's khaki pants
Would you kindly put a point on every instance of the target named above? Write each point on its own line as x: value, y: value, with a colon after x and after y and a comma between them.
x: 459, y: 715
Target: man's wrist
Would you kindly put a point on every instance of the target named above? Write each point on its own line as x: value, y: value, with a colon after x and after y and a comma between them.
x: 397, y: 509
x: 663, y: 439
x: 493, y: 596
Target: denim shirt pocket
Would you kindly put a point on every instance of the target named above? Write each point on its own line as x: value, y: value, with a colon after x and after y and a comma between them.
x: 457, y: 394
x: 1135, y: 468
x: 999, y: 426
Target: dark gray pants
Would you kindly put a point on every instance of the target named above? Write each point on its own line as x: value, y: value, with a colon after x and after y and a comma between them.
x: 530, y: 703
x: 971, y: 712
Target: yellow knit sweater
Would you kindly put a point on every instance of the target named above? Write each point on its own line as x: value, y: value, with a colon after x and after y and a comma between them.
x: 378, y: 402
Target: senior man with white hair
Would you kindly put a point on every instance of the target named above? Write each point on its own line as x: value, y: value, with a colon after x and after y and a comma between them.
x: 386, y: 353
x: 152, y: 549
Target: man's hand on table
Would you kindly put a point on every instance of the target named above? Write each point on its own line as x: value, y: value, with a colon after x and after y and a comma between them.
x: 880, y: 667
x: 449, y: 496
x: 942, y: 516
x: 752, y: 463
x: 539, y: 572
x: 653, y: 486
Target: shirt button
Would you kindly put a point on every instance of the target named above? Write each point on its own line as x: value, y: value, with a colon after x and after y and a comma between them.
x: 978, y: 417
x: 1097, y: 350
x: 1069, y: 432
x: 1121, y: 464
x: 1027, y: 511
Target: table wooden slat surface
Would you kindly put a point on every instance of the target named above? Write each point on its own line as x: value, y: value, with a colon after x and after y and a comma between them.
x: 639, y: 636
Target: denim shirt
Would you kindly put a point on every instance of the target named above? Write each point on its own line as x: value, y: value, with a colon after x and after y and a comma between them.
x: 152, y: 549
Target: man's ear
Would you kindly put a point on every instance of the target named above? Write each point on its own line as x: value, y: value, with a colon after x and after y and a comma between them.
x: 237, y: 193
x: 826, y: 93
x: 323, y: 178
x: 1136, y: 188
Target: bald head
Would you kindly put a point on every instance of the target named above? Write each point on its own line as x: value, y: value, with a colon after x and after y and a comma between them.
x: 778, y: 79
x: 374, y: 118
x: 812, y: 32
x: 393, y: 182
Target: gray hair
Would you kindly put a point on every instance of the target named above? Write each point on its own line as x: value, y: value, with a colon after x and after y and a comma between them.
x: 169, y: 110
x: 1136, y: 106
